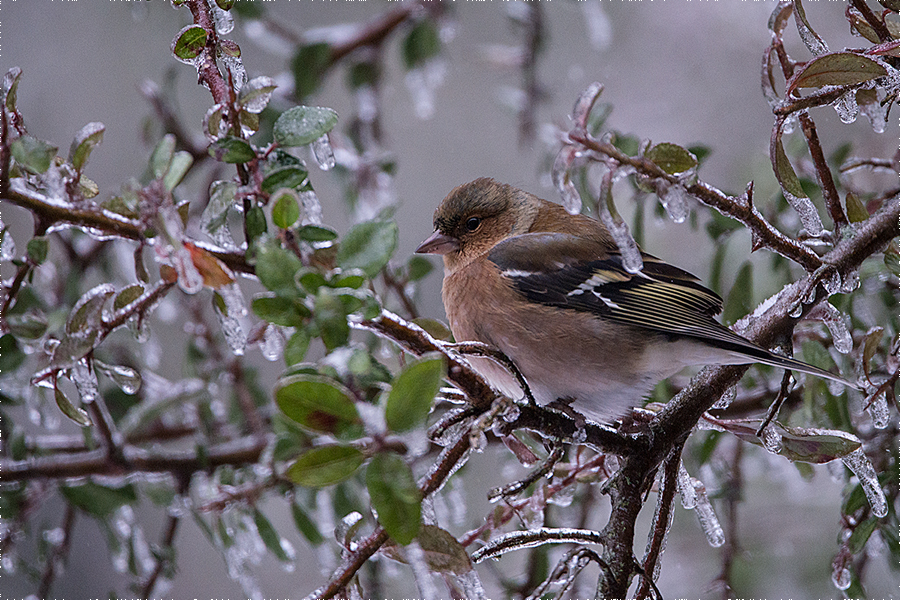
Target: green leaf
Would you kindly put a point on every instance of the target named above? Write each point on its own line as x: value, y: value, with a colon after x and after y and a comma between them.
x: 892, y: 262
x: 395, y: 496
x: 285, y: 177
x: 181, y: 164
x: 87, y: 312
x: 36, y: 249
x: 418, y: 267
x: 305, y: 525
x: 269, y: 536
x: 99, y: 500
x: 9, y: 88
x: 296, y: 347
x: 856, y: 210
x: 75, y: 413
x: 331, y: 317
x: 87, y: 137
x: 303, y: 125
x: 671, y: 158
x: 368, y: 246
x: 225, y: 4
x: 412, y: 393
x: 275, y: 267
x: 279, y: 310
x: 255, y: 223
x: 422, y: 43
x: 161, y: 157
x: 11, y: 355
x: 861, y: 534
x: 318, y: 404
x: 325, y: 466
x: 309, y: 66
x: 32, y: 153
x: 232, y: 150
x: 189, y: 43
x: 316, y: 233
x: 29, y: 325
x: 740, y: 298
x: 286, y: 210
x: 784, y: 172
x: 839, y: 68
x: 364, y: 73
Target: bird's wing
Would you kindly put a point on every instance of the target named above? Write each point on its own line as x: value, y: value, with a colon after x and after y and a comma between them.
x: 566, y: 272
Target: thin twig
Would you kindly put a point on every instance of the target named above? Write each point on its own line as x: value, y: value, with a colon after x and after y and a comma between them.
x: 823, y: 173
x: 57, y: 553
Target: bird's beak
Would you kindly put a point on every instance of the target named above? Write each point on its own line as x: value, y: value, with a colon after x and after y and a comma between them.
x: 438, y: 243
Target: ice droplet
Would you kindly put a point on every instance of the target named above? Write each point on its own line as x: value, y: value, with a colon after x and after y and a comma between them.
x: 858, y: 462
x: 234, y: 334
x: 837, y: 325
x: 879, y: 411
x: 189, y: 278
x: 272, y: 344
x: 8, y: 247
x: 310, y: 208
x: 707, y: 517
x: 875, y: 112
x: 846, y: 107
x: 128, y: 380
x: 560, y: 174
x: 323, y: 153
x: 809, y: 215
x: 235, y: 66
x: 223, y: 19
x: 674, y: 199
x: 771, y: 440
x: 840, y: 577
x: 790, y: 123
x: 685, y: 486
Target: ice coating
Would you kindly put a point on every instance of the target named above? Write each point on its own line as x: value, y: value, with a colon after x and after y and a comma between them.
x: 809, y: 215
x: 323, y: 153
x: 858, y: 462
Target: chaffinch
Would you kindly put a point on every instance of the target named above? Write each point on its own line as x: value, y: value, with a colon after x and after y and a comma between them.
x: 549, y: 290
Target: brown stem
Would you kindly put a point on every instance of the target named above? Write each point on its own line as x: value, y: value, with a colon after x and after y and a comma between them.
x: 877, y: 24
x: 823, y: 173
x: 662, y: 520
x: 57, y: 553
x: 206, y: 67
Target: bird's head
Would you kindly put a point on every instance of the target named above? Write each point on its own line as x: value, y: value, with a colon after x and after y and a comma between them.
x: 476, y: 216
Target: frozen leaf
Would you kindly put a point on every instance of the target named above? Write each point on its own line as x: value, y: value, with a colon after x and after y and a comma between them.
x: 316, y: 233
x: 189, y: 43
x: 11, y: 355
x: 36, y: 249
x: 87, y: 137
x: 128, y: 295
x: 99, y: 500
x: 215, y: 215
x: 276, y: 268
x: 858, y: 462
x: 303, y: 125
x: 293, y: 177
x: 892, y: 262
x: 32, y: 154
x: 306, y: 525
x: 285, y: 212
x: 75, y: 413
x: 421, y: 43
x: 318, y: 404
x: 215, y: 125
x: 671, y: 158
x: 181, y: 164
x: 368, y: 246
x: 785, y: 172
x: 563, y: 181
x: 856, y: 210
x: 395, y: 496
x: 412, y: 393
x: 214, y: 272
x: 870, y: 347
x: 308, y: 66
x: 232, y: 150
x: 270, y: 536
x: 9, y: 88
x: 325, y: 466
x: 161, y: 157
x: 443, y: 553
x: 813, y: 41
x: 255, y: 224
x: 280, y: 310
x: 257, y: 92
x: 840, y: 68
x: 836, y: 323
x: 87, y: 312
x: 30, y: 326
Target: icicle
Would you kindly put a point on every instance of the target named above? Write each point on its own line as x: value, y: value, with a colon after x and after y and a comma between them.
x: 310, y: 208
x: 85, y: 380
x: 879, y: 411
x: 189, y: 278
x: 875, y: 112
x: 674, y: 199
x: 772, y: 440
x: 809, y: 216
x: 685, y: 486
x: 223, y: 19
x: 415, y: 557
x: 228, y: 319
x: 560, y: 174
x: 272, y: 345
x: 858, y: 462
x: 323, y: 153
x: 846, y: 107
x: 726, y: 399
x: 836, y: 323
x: 128, y: 380
x: 707, y: 517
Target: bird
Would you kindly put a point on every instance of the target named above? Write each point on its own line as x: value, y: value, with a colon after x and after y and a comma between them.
x: 549, y: 290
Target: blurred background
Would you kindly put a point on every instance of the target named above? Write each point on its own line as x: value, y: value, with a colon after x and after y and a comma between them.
x: 679, y: 71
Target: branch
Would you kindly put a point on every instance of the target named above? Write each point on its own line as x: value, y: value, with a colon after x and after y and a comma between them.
x: 823, y: 173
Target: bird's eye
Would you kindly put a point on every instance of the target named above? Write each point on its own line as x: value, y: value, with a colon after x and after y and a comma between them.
x: 473, y: 223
